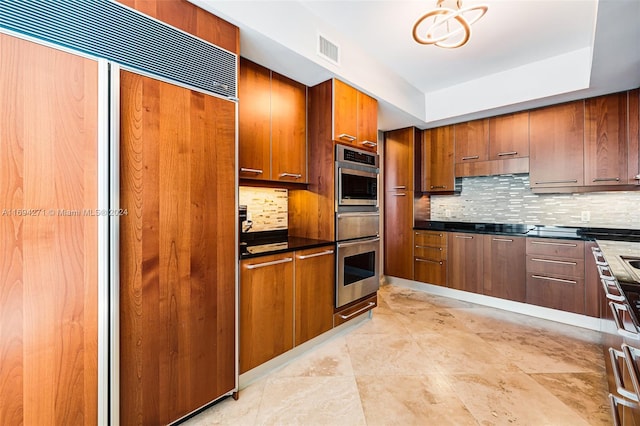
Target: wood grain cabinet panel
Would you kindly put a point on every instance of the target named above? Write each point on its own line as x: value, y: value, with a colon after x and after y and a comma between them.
x: 314, y: 292
x: 367, y: 122
x: 472, y: 141
x: 48, y: 261
x: 345, y: 113
x: 399, y: 158
x: 177, y: 255
x: 465, y: 261
x: 504, y: 267
x: 557, y: 145
x: 398, y: 234
x: 509, y: 136
x: 633, y: 172
x: 606, y: 143
x: 430, y: 257
x: 438, y: 160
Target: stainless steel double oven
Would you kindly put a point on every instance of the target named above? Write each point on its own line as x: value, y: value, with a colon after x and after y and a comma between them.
x: 357, y: 224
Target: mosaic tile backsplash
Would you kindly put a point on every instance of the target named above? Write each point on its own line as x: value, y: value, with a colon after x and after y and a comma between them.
x: 508, y: 199
x: 266, y: 207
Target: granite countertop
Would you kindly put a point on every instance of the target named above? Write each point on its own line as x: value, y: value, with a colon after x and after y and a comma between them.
x: 615, y: 253
x: 275, y: 243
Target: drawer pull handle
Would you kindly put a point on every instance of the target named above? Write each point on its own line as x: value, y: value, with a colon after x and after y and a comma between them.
x: 399, y: 194
x: 273, y: 262
x: 438, y: 186
x: 471, y: 157
x: 504, y: 240
x: 400, y: 187
x: 346, y: 137
x: 439, y: 262
x: 561, y: 262
x: 615, y: 179
x: 615, y: 297
x: 615, y: 355
x: 359, y: 311
x: 246, y: 170
x: 369, y: 143
x: 429, y: 247
x: 503, y: 154
x: 616, y: 308
x: 560, y: 280
x: 308, y: 256
x: 464, y: 237
x: 633, y: 373
x: 293, y: 175
x: 605, y: 272
x: 543, y: 243
x: 614, y: 401
x: 557, y: 181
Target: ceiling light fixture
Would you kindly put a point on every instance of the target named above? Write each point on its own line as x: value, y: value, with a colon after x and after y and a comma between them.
x: 448, y: 12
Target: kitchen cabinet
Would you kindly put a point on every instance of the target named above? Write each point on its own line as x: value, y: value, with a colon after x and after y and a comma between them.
x: 355, y: 117
x: 399, y: 166
x: 504, y: 267
x: 437, y: 162
x: 285, y: 300
x: 49, y: 293
x: 272, y: 125
x: 633, y: 172
x: 606, y: 144
x: 472, y: 141
x: 355, y: 309
x: 314, y: 292
x: 557, y: 145
x: 430, y: 257
x: 555, y: 274
x: 509, y: 136
x: 177, y: 255
x: 465, y: 261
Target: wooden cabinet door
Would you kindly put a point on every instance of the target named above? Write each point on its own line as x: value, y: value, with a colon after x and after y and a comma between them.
x: 398, y: 234
x: 633, y: 173
x: 367, y: 122
x: 48, y: 260
x: 437, y: 164
x: 509, y: 136
x: 399, y: 148
x: 606, y: 144
x: 345, y: 113
x: 266, y: 309
x: 471, y: 141
x: 504, y: 267
x: 254, y: 121
x: 288, y: 129
x: 557, y: 145
x: 464, y: 256
x: 177, y: 254
x: 314, y: 292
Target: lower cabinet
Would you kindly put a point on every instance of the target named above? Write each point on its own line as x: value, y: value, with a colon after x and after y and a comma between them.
x: 355, y: 309
x: 504, y: 267
x: 285, y: 300
x: 555, y: 274
x: 430, y: 257
x: 465, y: 262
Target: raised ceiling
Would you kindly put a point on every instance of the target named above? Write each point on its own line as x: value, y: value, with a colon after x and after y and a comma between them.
x: 522, y: 53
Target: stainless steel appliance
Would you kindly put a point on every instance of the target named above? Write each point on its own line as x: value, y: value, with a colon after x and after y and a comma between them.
x: 357, y: 224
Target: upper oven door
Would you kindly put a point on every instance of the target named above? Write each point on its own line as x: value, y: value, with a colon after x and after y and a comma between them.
x: 357, y: 187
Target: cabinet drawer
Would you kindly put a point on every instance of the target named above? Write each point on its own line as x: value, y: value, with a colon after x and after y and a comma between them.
x: 554, y: 247
x: 432, y: 253
x: 357, y: 309
x: 565, y: 267
x: 430, y: 271
x: 430, y: 238
x: 566, y: 294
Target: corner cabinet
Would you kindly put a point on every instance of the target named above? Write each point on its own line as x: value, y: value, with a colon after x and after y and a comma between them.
x: 272, y: 125
x: 438, y: 160
x: 355, y: 117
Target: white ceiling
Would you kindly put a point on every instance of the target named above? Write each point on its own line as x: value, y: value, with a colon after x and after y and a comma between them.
x: 522, y: 53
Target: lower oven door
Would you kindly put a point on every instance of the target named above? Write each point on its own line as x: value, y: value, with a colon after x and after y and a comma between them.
x: 357, y: 270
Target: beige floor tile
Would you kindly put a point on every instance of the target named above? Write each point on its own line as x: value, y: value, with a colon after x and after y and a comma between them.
x: 311, y: 401
x: 585, y: 393
x: 329, y: 359
x: 428, y: 319
x: 512, y: 399
x: 382, y: 322
x: 411, y: 400
x: 400, y: 299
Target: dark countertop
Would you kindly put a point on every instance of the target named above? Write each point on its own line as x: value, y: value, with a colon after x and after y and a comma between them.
x: 539, y: 231
x: 276, y: 243
x: 615, y: 253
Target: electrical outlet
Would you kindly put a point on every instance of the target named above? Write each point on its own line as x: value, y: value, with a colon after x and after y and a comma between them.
x: 447, y: 213
x: 585, y: 216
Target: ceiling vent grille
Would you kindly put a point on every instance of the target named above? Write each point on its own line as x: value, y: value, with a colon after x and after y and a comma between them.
x: 328, y: 50
x: 109, y: 30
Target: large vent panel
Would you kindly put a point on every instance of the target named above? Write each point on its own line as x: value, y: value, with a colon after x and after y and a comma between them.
x: 109, y: 30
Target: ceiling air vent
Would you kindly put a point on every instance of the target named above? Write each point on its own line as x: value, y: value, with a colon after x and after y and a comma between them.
x: 328, y: 50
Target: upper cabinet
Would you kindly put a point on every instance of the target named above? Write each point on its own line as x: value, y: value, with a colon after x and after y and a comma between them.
x: 472, y: 141
x: 557, y: 145
x: 355, y: 117
x: 437, y: 162
x: 509, y: 136
x: 272, y: 125
x: 633, y: 172
x: 399, y: 149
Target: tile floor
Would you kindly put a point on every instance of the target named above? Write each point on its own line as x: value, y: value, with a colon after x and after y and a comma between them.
x: 429, y: 360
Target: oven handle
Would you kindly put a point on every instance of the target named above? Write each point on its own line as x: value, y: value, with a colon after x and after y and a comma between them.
x: 354, y: 243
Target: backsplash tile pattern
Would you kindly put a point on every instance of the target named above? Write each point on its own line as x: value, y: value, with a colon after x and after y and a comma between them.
x: 508, y: 199
x: 268, y: 208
